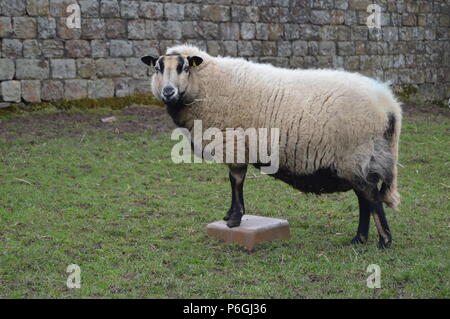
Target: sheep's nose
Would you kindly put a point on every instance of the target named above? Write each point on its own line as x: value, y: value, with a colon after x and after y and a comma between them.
x: 168, y: 91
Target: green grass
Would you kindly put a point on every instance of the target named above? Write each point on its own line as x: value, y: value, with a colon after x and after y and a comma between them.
x: 115, y: 204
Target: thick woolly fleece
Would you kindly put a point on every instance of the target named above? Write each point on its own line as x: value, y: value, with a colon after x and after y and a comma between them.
x: 327, y: 118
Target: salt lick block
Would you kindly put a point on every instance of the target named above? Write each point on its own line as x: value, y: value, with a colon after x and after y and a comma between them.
x: 253, y: 230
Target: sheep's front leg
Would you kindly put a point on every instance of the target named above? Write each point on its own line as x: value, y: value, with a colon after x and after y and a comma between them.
x: 237, y: 177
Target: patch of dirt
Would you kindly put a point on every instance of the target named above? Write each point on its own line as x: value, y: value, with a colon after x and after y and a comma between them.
x: 132, y: 119
x: 136, y: 118
x: 411, y: 109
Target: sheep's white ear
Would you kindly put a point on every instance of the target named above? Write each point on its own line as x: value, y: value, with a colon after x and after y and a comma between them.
x: 149, y: 60
x: 194, y: 61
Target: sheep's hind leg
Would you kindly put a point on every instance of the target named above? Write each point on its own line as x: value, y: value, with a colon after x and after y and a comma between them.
x: 362, y: 234
x: 382, y: 225
x: 237, y: 177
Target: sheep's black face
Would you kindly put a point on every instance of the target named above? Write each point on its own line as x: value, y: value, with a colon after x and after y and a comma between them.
x: 171, y: 79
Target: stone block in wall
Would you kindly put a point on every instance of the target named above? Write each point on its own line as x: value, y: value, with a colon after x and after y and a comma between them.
x: 145, y: 47
x: 248, y: 31
x: 444, y: 20
x: 216, y: 13
x: 269, y: 48
x: 208, y: 30
x: 390, y: 33
x: 52, y: 90
x: 299, y: 48
x: 7, y: 69
x: 93, y: 29
x: 300, y: 15
x: 110, y: 67
x: 309, y: 32
x: 229, y: 31
x: 245, y: 14
x: 78, y: 48
x: 214, y: 48
x: 327, y: 48
x: 351, y: 63
x: 269, y: 14
x: 359, y: 4
x: 359, y: 33
x: 313, y: 48
x: 291, y: 31
x: 90, y: 8
x: 346, y: 48
x: 38, y: 7
x: 192, y: 11
x: 63, y: 68
x: 136, y: 29
x: 174, y: 11
x: 409, y: 19
x: 6, y: 29
x: 171, y: 30
x: 31, y: 49
x: 12, y: 8
x: 350, y: 17
x: 64, y: 32
x: 24, y: 27
x: 284, y: 48
x: 129, y: 9
x: 245, y: 48
x: 58, y: 8
x: 321, y: 17
x: 328, y: 32
x: 85, y: 68
x: 296, y: 62
x: 135, y: 68
x: 141, y: 86
x: 75, y: 89
x: 121, y: 48
x: 257, y: 49
x: 11, y: 48
x: 99, y: 48
x: 151, y: 10
x: 123, y: 87
x: 100, y: 88
x: 11, y: 91
x: 230, y: 48
x: 190, y: 29
x: 31, y: 90
x: 327, y: 61
x: 52, y: 48
x: 109, y: 9
x: 115, y: 28
x: 341, y: 4
x: 46, y: 27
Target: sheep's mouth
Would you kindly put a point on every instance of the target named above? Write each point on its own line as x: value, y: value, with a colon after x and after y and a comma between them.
x: 171, y: 101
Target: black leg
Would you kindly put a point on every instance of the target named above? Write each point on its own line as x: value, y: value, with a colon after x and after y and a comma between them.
x: 362, y: 234
x: 382, y: 226
x: 237, y: 177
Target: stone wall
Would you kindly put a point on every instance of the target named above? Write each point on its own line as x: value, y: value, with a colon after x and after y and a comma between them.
x: 43, y: 60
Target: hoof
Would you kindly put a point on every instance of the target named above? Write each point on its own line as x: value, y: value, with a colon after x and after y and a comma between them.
x: 358, y: 240
x: 233, y: 223
x: 227, y: 217
x: 382, y: 244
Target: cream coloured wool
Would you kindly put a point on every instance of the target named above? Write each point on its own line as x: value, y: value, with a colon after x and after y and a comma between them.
x: 338, y: 130
x: 326, y: 118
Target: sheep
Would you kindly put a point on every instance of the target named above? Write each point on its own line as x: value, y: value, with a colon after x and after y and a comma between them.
x: 339, y: 131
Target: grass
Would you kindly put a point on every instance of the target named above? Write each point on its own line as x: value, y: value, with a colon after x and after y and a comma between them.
x: 110, y: 200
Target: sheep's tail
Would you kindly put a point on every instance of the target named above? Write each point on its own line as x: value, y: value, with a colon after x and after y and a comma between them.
x: 389, y: 193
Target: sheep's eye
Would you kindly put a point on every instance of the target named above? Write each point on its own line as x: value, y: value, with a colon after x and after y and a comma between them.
x: 157, y: 68
x: 186, y: 68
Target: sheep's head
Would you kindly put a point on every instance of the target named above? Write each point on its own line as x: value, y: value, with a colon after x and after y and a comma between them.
x: 173, y: 82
